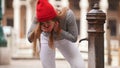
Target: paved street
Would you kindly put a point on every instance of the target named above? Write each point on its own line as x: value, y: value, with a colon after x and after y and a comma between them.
x: 22, y: 58
x: 33, y: 64
x: 30, y: 63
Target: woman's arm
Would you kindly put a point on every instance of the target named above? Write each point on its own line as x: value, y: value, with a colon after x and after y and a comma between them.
x: 72, y: 32
x: 31, y: 31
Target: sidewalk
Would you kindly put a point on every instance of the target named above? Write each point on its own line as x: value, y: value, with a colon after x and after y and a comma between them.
x: 22, y: 58
x: 33, y: 64
x: 37, y: 64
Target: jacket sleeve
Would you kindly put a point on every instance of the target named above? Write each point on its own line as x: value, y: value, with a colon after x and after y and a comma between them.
x: 31, y: 29
x: 72, y: 32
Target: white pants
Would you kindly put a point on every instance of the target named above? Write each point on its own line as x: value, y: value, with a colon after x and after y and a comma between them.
x: 68, y: 50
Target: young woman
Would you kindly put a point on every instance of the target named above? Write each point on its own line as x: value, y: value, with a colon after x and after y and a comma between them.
x: 56, y: 29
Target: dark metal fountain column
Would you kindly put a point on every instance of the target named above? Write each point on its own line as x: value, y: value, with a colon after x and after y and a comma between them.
x: 96, y: 19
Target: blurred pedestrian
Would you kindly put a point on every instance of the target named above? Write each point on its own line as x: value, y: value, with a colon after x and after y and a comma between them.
x: 55, y: 29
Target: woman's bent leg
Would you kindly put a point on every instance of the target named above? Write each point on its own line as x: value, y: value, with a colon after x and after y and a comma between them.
x: 47, y: 56
x: 71, y: 53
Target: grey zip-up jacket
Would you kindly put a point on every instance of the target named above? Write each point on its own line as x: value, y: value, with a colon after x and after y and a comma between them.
x: 68, y: 25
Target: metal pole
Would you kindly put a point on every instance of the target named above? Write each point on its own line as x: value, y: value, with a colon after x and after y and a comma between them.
x: 96, y: 19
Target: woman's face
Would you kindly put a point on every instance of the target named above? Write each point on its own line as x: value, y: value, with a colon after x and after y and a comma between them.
x: 47, y: 26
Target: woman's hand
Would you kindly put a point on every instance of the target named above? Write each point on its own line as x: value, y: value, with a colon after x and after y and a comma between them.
x: 50, y: 25
x: 57, y: 27
x: 47, y: 26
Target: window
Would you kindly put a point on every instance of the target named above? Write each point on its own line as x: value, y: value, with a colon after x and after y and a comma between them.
x: 8, y: 4
x: 23, y: 21
x: 92, y: 2
x: 58, y: 0
x: 74, y: 4
x: 112, y: 25
x: 10, y: 22
x: 113, y: 5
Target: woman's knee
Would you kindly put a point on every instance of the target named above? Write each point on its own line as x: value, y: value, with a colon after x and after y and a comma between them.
x: 78, y: 65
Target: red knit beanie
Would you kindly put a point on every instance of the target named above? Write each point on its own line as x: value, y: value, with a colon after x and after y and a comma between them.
x: 45, y: 11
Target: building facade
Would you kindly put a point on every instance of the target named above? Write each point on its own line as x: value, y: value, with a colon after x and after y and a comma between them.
x: 19, y: 13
